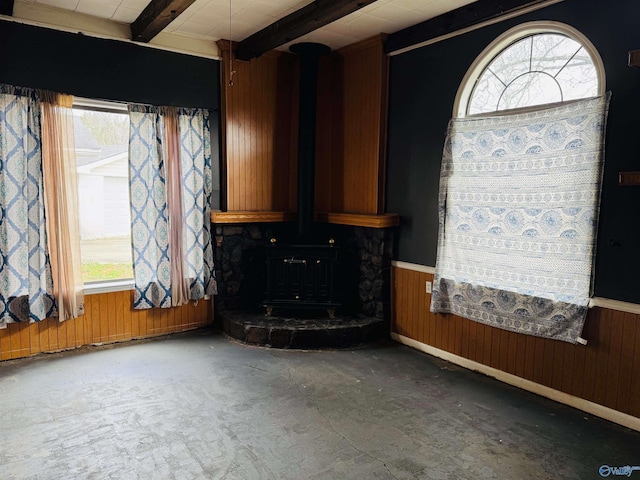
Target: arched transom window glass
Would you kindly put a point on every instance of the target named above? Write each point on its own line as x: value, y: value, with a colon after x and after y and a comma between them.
x: 533, y: 64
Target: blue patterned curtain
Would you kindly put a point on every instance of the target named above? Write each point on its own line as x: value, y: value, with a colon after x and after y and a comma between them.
x: 195, y: 156
x: 518, y: 206
x: 150, y: 228
x: 25, y: 273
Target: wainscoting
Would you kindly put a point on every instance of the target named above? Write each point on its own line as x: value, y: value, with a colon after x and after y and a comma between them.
x: 109, y: 317
x: 605, y: 372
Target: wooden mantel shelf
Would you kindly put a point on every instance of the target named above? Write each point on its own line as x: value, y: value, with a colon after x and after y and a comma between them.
x: 359, y: 220
x: 239, y: 216
x: 354, y: 219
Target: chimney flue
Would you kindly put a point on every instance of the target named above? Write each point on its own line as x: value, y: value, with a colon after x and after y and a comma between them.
x: 309, y: 54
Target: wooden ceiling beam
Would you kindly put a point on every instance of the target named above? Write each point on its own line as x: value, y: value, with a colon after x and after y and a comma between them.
x: 302, y: 21
x: 6, y: 7
x: 155, y: 17
x: 464, y: 17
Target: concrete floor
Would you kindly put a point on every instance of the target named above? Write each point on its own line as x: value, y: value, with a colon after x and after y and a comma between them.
x: 199, y: 406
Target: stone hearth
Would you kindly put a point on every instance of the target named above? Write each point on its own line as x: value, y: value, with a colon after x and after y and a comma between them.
x: 301, y: 331
x: 242, y: 275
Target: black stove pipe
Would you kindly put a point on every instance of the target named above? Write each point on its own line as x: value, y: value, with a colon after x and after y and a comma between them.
x: 309, y: 54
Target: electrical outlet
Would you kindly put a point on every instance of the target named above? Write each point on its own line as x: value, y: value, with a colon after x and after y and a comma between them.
x: 428, y: 287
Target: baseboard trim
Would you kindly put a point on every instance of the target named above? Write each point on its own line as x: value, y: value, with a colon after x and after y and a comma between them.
x: 544, y: 391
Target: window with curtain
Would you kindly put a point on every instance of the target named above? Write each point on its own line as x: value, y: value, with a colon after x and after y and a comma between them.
x: 520, y: 185
x: 39, y: 272
x: 170, y: 190
x: 165, y: 198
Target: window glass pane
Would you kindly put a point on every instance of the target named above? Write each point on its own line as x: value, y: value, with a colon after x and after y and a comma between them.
x: 538, y: 69
x: 486, y: 94
x: 532, y: 89
x: 551, y: 52
x: 103, y: 194
x: 579, y: 78
x: 512, y: 62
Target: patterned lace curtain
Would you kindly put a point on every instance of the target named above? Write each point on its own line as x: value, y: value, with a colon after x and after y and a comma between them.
x: 61, y: 203
x: 26, y: 286
x: 518, y: 206
x: 170, y: 189
x: 195, y: 156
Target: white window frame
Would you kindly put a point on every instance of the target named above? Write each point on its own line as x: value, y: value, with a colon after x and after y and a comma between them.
x: 463, y: 96
x: 106, y: 286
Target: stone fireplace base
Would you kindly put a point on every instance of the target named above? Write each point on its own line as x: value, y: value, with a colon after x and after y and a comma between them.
x: 302, y: 331
x: 241, y: 271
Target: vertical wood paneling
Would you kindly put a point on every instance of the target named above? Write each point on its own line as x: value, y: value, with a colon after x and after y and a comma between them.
x: 363, y: 86
x: 259, y: 116
x: 94, y: 313
x: 503, y: 356
x: 520, y: 346
x: 605, y: 371
x: 580, y: 363
x: 486, y: 356
x: 414, y: 305
x: 473, y: 341
x: 602, y: 359
x: 350, y: 152
x: 395, y: 294
x: 512, y: 361
x: 613, y: 361
x: 558, y: 363
x: 431, y: 339
x: 627, y: 351
x: 567, y: 368
x: 457, y: 335
x: 495, y: 348
x: 530, y: 348
x: 108, y: 317
x: 634, y: 386
x: 112, y: 324
x: 424, y: 311
x: 547, y: 361
x: 405, y: 297
x: 464, y: 334
x: 538, y: 360
x: 260, y: 129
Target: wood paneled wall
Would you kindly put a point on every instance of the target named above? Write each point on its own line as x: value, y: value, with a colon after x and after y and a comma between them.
x: 605, y: 371
x: 351, y: 129
x: 260, y: 132
x: 329, y: 180
x: 109, y: 317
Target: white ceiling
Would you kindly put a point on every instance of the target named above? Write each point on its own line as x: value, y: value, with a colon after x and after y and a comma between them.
x: 209, y: 20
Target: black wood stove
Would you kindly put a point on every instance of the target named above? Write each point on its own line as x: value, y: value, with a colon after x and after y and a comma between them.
x: 302, y: 277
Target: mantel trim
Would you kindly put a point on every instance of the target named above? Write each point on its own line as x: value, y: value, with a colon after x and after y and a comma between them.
x: 252, y: 217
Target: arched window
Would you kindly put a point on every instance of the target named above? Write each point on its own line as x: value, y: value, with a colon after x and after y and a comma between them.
x: 532, y: 64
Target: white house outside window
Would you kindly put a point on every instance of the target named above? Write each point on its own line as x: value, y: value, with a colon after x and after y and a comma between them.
x: 102, y: 155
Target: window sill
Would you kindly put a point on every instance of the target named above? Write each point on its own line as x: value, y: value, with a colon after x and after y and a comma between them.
x: 108, y: 287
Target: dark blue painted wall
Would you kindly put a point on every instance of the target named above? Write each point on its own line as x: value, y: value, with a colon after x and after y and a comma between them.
x: 423, y: 85
x: 105, y: 69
